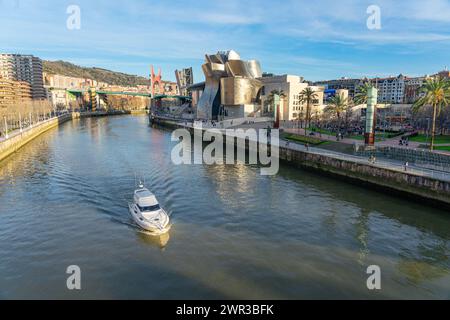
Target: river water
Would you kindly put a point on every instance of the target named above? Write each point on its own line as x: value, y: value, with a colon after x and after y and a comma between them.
x: 236, y: 234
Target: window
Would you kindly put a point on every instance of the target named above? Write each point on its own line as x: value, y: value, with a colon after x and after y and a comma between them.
x: 150, y: 208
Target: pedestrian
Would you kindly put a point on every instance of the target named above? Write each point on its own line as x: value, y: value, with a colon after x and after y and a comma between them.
x: 307, y: 146
x: 406, y: 165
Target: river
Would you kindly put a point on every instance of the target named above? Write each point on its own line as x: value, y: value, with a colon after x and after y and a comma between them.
x: 236, y: 234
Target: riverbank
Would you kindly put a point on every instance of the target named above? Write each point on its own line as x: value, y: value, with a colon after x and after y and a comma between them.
x: 236, y: 234
x: 18, y: 139
x: 412, y: 184
x: 389, y: 177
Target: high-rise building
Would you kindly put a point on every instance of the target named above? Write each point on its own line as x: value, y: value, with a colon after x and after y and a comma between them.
x: 24, y: 68
x: 184, y: 80
x: 13, y: 92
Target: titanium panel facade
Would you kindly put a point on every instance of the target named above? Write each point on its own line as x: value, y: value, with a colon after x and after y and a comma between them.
x: 229, y: 81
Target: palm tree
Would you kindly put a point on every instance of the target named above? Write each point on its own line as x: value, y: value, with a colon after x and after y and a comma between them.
x: 361, y: 95
x: 271, y: 98
x: 348, y: 112
x: 308, y: 95
x: 271, y: 102
x: 300, y: 119
x: 436, y: 93
x: 337, y: 106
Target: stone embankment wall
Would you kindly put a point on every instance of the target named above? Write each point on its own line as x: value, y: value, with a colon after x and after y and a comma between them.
x: 389, y: 180
x: 407, y: 184
x: 19, y: 139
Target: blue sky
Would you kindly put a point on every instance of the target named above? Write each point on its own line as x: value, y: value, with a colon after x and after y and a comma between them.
x: 321, y: 39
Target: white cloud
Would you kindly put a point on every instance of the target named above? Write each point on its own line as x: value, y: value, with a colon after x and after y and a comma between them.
x: 177, y: 31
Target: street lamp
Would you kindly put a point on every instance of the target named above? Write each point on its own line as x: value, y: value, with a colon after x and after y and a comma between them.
x: 428, y: 130
x: 6, y: 127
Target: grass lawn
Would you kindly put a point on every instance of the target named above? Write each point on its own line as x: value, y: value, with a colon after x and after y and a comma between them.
x: 442, y: 148
x: 437, y: 139
x: 323, y: 131
x: 356, y: 137
x: 302, y: 139
x: 378, y: 135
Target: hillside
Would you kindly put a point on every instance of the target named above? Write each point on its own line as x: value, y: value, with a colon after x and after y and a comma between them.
x: 103, y: 75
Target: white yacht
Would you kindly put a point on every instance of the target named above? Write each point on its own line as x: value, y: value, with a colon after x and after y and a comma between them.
x: 147, y: 213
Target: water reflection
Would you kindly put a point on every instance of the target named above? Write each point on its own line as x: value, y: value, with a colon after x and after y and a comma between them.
x: 160, y: 241
x: 237, y: 234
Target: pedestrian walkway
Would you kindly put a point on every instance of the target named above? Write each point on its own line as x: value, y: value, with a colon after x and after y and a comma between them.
x: 323, y: 136
x: 392, y: 142
x: 384, y: 163
x: 389, y: 164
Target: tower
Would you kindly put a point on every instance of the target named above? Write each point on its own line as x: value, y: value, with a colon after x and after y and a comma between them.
x: 156, y: 80
x: 93, y: 98
x: 369, y: 136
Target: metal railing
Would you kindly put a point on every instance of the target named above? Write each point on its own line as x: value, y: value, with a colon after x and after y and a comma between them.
x: 11, y: 126
x: 389, y: 164
x: 425, y: 159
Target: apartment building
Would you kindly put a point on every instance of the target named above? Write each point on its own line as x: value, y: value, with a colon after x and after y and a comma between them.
x: 444, y: 74
x: 412, y: 89
x: 391, y: 89
x: 24, y: 68
x: 13, y: 92
x: 351, y: 85
x: 58, y: 81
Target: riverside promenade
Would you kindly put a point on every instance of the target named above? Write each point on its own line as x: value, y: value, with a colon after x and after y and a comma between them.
x: 389, y: 142
x: 20, y: 137
x: 387, y: 175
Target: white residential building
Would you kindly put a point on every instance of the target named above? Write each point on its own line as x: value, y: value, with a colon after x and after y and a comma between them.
x: 391, y: 89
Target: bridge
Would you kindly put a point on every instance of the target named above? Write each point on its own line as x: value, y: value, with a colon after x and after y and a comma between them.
x: 125, y: 93
x: 95, y: 95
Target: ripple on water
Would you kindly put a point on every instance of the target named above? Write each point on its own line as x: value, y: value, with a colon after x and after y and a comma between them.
x: 236, y: 234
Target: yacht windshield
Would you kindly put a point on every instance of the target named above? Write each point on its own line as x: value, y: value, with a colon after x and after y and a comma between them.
x: 150, y: 208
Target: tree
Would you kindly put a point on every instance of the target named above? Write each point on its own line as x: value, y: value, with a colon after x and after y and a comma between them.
x: 361, y: 95
x: 436, y: 93
x: 348, y: 113
x: 271, y: 98
x: 307, y: 96
x: 337, y: 106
